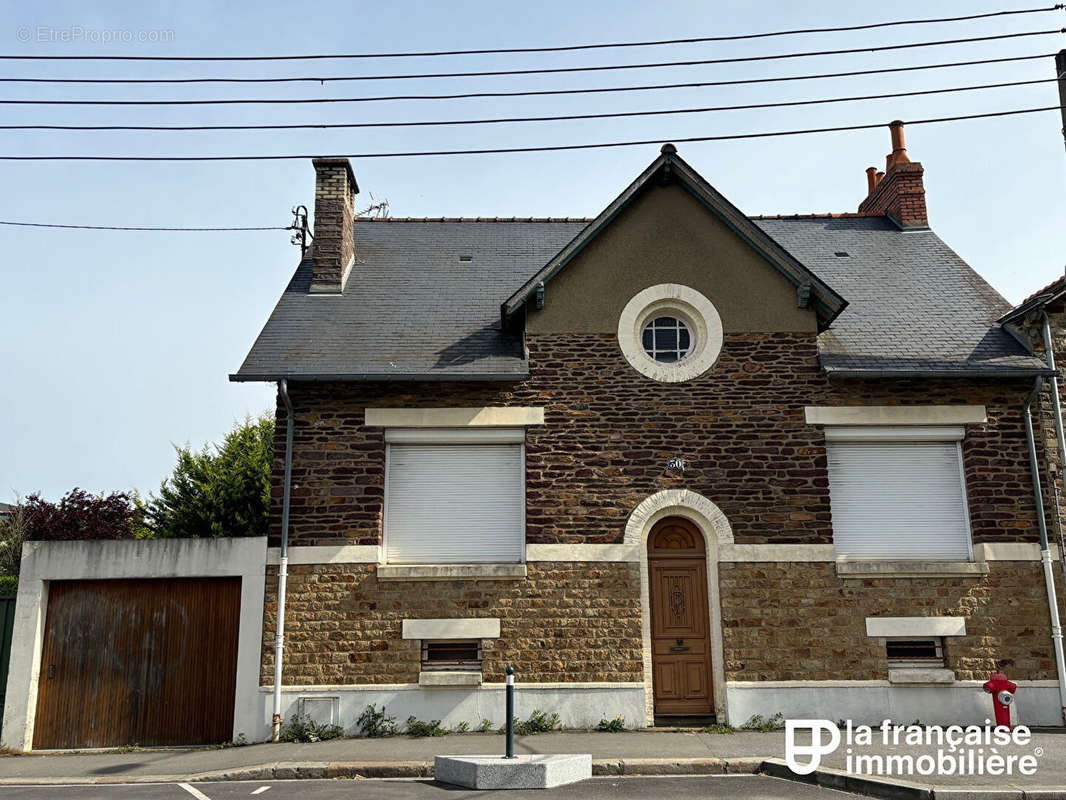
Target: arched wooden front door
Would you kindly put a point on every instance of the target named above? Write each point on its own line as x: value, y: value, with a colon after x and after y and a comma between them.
x: 680, y: 628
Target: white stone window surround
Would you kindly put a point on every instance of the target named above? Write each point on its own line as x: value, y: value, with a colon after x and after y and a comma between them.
x: 464, y: 628
x: 439, y: 629
x: 895, y: 415
x: 455, y: 417
x: 674, y: 300
x: 917, y: 628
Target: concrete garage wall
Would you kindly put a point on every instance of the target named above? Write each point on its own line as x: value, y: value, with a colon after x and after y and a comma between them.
x: 160, y: 558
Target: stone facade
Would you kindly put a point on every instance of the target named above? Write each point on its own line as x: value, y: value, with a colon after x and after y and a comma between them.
x: 787, y: 621
x: 568, y: 621
x: 609, y: 431
x: 607, y: 435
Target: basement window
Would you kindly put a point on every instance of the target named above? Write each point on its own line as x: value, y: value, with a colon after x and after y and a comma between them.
x: 451, y: 654
x: 915, y: 653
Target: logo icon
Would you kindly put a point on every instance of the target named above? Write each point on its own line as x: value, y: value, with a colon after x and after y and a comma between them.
x: 815, y: 750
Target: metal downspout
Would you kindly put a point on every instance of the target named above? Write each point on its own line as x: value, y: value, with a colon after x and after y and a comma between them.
x: 1057, y: 416
x: 283, y: 568
x: 1045, y: 553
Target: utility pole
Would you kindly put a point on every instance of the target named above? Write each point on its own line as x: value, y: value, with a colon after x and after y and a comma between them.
x: 1060, y: 72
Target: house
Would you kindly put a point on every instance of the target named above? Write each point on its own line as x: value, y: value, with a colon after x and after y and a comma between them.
x: 670, y: 463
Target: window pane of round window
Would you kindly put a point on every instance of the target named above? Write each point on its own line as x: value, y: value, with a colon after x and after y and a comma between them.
x: 666, y: 339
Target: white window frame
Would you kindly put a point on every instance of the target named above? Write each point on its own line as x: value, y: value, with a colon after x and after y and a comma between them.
x: 686, y: 304
x: 454, y: 436
x: 910, y: 433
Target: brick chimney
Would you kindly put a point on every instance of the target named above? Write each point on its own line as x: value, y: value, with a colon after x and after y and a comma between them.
x: 898, y: 191
x: 333, y: 250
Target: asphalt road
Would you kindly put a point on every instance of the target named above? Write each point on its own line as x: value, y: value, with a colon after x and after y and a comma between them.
x: 741, y: 787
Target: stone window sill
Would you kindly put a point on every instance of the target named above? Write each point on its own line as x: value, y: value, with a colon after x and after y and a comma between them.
x: 450, y: 572
x: 911, y: 569
x: 925, y: 676
x: 449, y: 678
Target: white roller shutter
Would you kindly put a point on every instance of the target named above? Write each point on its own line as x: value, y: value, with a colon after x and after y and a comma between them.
x: 898, y: 499
x: 454, y: 503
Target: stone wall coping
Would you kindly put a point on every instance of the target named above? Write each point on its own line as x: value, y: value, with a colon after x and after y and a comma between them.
x: 399, y: 687
x: 630, y: 552
x: 859, y: 684
x: 328, y: 554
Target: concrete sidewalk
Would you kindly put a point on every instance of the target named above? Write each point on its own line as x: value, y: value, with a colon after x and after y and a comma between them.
x: 630, y: 753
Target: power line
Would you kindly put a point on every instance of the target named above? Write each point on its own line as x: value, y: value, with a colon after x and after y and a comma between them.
x: 553, y: 49
x: 557, y: 70
x: 532, y: 149
x: 137, y: 228
x: 531, y: 92
x: 498, y: 120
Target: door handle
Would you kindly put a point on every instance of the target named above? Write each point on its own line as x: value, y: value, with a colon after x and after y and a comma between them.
x: 51, y: 671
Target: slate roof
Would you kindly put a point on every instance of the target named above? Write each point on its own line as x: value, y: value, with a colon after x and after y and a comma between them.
x: 412, y: 310
x: 914, y: 305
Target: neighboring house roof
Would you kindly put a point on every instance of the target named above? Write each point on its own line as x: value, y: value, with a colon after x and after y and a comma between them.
x: 1043, y: 297
x: 915, y: 305
x: 423, y: 300
x: 670, y: 165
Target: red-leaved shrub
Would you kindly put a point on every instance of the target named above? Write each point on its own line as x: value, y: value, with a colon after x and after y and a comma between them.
x: 80, y: 515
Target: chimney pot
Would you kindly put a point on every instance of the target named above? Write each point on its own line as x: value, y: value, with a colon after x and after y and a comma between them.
x: 871, y: 179
x: 899, y: 147
x: 333, y: 250
x: 898, y: 192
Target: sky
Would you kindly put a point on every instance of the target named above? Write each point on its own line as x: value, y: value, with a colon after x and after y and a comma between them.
x: 117, y: 346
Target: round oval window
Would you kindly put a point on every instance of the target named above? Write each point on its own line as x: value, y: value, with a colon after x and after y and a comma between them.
x: 666, y: 339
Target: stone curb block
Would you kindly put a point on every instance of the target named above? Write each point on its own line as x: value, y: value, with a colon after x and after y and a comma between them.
x: 672, y: 766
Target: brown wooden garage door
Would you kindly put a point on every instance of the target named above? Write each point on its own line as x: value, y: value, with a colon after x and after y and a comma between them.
x: 147, y: 662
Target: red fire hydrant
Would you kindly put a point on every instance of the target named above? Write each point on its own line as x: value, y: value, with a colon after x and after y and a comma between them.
x: 1002, y: 691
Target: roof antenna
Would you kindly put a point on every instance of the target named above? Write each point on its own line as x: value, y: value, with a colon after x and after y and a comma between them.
x: 302, y: 234
x: 375, y: 209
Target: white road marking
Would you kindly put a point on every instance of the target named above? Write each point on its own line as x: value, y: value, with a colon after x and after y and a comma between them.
x: 261, y: 789
x: 194, y: 791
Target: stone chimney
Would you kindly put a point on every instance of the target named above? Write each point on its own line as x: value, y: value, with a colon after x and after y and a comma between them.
x: 898, y: 191
x: 333, y: 250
